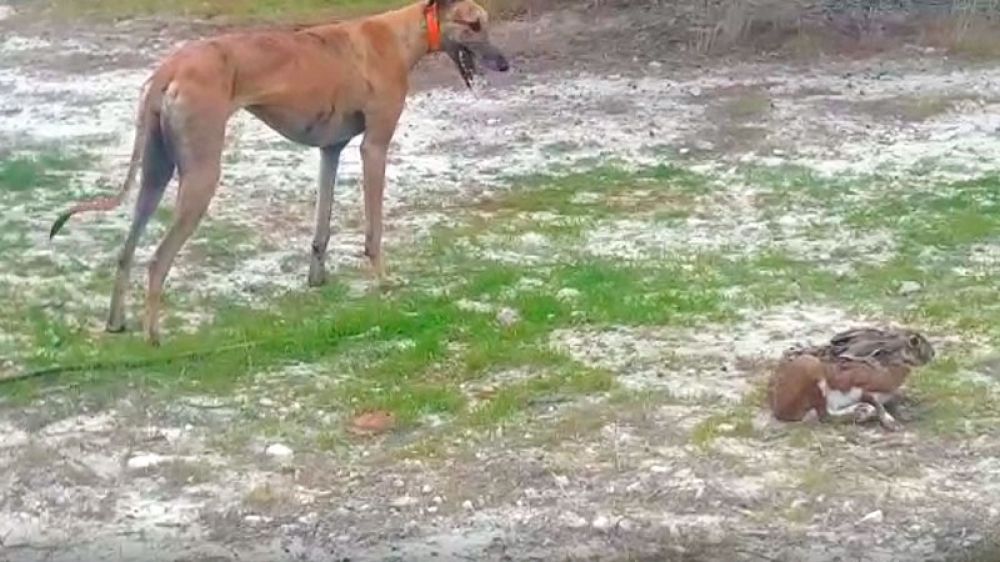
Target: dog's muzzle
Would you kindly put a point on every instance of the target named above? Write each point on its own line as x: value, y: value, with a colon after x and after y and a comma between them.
x: 465, y: 56
x: 492, y: 58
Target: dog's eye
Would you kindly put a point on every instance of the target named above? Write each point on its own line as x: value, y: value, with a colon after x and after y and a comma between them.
x: 475, y: 26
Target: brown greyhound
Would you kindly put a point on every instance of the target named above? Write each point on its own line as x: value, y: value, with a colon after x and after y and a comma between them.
x: 319, y: 86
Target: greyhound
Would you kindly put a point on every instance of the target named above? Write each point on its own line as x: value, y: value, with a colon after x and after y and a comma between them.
x: 319, y: 86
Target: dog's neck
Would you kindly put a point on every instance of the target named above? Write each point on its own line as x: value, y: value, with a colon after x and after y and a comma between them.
x: 409, y: 25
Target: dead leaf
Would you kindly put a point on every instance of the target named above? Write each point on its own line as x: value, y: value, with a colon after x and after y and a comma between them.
x: 372, y: 423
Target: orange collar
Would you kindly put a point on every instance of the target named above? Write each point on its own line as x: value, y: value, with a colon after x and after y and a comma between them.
x: 433, y: 28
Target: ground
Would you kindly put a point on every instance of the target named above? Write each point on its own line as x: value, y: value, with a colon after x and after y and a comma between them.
x: 597, y: 258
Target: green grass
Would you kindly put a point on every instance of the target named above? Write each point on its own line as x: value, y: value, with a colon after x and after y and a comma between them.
x: 44, y: 171
x: 410, y: 350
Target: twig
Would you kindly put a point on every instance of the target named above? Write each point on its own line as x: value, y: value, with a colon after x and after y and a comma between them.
x: 124, y: 363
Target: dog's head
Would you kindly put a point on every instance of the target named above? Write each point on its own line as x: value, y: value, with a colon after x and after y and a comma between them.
x: 465, y: 37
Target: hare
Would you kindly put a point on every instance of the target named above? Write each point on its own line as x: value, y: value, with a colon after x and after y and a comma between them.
x: 856, y: 375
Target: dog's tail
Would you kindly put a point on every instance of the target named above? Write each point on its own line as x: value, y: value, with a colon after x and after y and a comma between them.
x: 151, y: 91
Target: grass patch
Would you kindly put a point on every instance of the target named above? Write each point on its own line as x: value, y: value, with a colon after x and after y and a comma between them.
x: 950, y: 400
x: 223, y: 244
x: 752, y: 104
x: 411, y: 349
x: 43, y: 171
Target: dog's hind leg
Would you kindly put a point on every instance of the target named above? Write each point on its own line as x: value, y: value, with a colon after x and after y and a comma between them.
x: 197, y: 137
x: 329, y: 161
x: 157, y: 170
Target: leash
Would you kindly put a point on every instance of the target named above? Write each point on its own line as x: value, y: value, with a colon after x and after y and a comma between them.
x: 129, y: 363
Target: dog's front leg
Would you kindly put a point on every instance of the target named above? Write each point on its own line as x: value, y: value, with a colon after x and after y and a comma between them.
x: 329, y: 161
x: 374, y: 148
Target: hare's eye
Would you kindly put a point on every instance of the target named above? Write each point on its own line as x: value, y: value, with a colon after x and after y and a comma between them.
x: 475, y: 26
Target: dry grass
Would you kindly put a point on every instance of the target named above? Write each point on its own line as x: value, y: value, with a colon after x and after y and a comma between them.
x: 805, y: 28
x: 280, y: 10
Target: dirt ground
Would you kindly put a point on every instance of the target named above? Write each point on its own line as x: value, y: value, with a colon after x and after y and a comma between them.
x: 135, y: 479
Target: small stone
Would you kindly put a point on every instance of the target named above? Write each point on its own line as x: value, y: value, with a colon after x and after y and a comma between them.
x: 467, y: 505
x: 534, y: 240
x: 507, y: 317
x: 573, y: 520
x: 145, y: 460
x: 397, y: 483
x: 874, y: 517
x: 253, y: 519
x: 626, y: 525
x: 427, y: 489
x: 909, y: 288
x: 432, y: 509
x: 279, y: 451
x: 561, y: 480
x: 658, y: 469
x: 403, y: 501
x: 266, y: 402
x: 655, y: 64
x: 601, y: 523
x: 438, y: 500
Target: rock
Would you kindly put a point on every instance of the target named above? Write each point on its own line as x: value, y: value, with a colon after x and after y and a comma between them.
x: 438, y: 500
x: 145, y: 460
x: 655, y: 64
x: 534, y: 240
x: 397, y: 483
x: 567, y: 294
x: 278, y: 451
x: 11, y: 437
x: 874, y: 517
x: 573, y: 520
x: 658, y: 469
x: 507, y: 317
x: 626, y: 525
x: 403, y: 501
x: 909, y: 288
x: 427, y: 489
x: 467, y: 505
x: 601, y: 523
